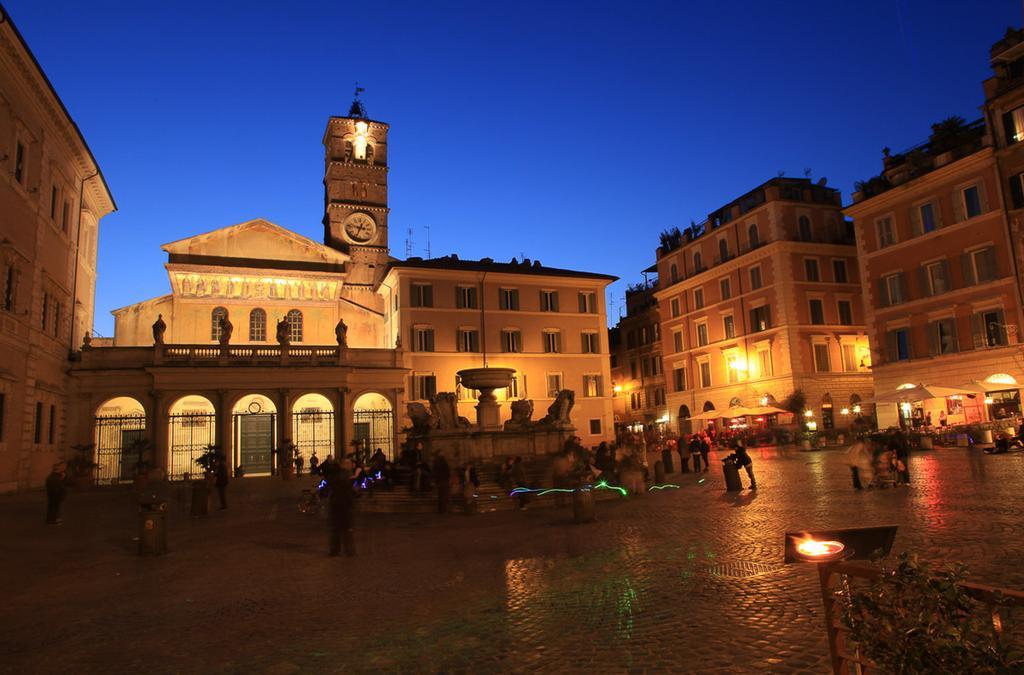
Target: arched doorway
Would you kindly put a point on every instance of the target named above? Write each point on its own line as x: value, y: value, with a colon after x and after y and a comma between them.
x: 683, y: 419
x: 708, y: 406
x: 191, y: 429
x: 254, y: 431
x: 373, y: 425
x: 313, y: 427
x: 121, y: 445
x: 828, y: 420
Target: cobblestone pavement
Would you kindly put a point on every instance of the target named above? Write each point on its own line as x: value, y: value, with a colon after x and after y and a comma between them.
x: 680, y: 580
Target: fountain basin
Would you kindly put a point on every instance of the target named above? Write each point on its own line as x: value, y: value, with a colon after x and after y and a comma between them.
x: 486, y: 379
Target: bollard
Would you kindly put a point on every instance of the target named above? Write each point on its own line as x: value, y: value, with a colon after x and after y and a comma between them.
x: 153, y: 528
x: 732, y: 476
x: 666, y: 461
x: 583, y: 505
x: 659, y: 472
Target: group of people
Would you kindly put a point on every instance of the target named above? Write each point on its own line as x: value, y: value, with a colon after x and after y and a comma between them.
x: 882, y: 459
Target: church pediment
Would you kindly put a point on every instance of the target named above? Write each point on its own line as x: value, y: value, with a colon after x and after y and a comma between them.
x: 255, y: 243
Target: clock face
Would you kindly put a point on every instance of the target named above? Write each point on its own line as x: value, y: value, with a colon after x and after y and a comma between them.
x: 360, y: 228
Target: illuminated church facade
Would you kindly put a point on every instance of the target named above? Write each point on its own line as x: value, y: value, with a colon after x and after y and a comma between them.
x: 267, y: 335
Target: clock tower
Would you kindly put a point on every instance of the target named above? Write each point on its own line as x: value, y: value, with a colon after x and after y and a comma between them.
x: 356, y: 198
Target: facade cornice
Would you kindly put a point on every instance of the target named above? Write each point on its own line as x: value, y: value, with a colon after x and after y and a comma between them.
x: 357, y: 206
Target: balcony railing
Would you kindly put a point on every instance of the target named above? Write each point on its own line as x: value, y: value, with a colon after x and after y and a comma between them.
x: 171, y: 355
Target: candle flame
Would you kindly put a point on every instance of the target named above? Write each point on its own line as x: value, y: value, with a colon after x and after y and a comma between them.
x: 813, y: 548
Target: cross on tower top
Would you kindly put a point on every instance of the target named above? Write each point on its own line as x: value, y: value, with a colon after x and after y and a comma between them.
x: 357, y: 108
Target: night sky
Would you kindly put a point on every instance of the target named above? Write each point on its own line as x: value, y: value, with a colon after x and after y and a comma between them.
x: 516, y: 128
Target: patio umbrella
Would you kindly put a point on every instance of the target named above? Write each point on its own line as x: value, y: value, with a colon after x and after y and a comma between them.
x: 767, y: 410
x: 978, y: 387
x: 707, y: 415
x: 920, y: 392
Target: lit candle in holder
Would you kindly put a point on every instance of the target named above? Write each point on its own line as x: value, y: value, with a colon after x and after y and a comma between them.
x: 813, y: 550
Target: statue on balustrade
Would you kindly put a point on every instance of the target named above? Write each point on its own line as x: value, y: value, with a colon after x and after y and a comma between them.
x: 226, y: 329
x: 159, y: 327
x: 341, y: 333
x: 283, y: 337
x: 558, y: 412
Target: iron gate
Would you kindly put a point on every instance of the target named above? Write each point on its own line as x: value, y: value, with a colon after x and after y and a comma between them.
x: 372, y: 429
x: 191, y: 435
x: 314, y: 434
x: 254, y: 442
x: 120, y: 443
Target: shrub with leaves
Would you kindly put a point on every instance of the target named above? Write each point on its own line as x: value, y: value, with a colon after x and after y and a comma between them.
x: 917, y: 620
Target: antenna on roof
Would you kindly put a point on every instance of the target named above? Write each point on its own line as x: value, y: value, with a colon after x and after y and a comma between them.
x: 807, y: 172
x: 428, y: 242
x: 408, y: 243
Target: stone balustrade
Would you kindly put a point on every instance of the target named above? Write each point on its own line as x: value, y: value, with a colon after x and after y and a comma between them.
x: 91, y: 358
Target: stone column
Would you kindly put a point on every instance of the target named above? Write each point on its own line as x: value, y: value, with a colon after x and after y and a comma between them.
x: 157, y: 429
x: 225, y: 422
x: 341, y: 417
x: 284, y: 414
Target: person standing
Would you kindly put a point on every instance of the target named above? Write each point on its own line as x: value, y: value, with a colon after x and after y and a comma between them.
x: 857, y: 457
x: 221, y: 482
x: 683, y: 447
x: 314, y: 464
x: 743, y: 459
x: 695, y: 452
x: 300, y: 461
x: 55, y: 493
x: 442, y: 475
x: 339, y: 508
x: 705, y: 449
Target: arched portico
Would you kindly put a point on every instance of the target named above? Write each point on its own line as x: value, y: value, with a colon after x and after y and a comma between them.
x: 120, y: 439
x: 313, y: 427
x: 373, y: 424
x: 254, y: 434
x: 191, y: 429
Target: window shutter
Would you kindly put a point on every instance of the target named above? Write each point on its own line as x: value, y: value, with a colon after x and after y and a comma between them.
x: 989, y: 258
x: 922, y: 282
x: 901, y: 284
x: 458, y: 298
x: 890, y: 346
x: 958, y: 206
x: 430, y: 340
x: 933, y: 338
x: 946, y: 283
x: 937, y: 213
x: 982, y: 197
x: 967, y: 269
x: 951, y: 326
x: 1008, y: 128
x: 1002, y: 327
x: 1016, y: 191
x: 915, y: 220
x: 554, y: 301
x: 883, y: 293
x: 978, y: 330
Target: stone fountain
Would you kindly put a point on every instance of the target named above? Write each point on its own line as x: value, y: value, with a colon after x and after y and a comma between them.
x: 486, y: 380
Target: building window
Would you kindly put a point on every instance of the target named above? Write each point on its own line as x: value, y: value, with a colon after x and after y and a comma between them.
x: 804, y: 224
x: 19, y: 166
x: 65, y: 216
x: 811, y: 270
x: 51, y: 430
x: 764, y: 361
x: 674, y: 306
x: 702, y: 334
x: 659, y: 396
x: 821, y: 359
x: 726, y: 289
x: 56, y: 318
x: 422, y: 295
x: 972, y: 201
x: 753, y: 236
x: 552, y: 341
x: 632, y: 369
x: 892, y: 289
x: 469, y: 340
x: 1017, y: 191
x: 677, y: 341
x: 645, y: 369
x: 634, y: 400
x: 595, y: 427
x: 698, y: 298
x: 1013, y: 125
x: 592, y: 386
x: 698, y: 264
x: 817, y: 311
x: 723, y: 249
x: 979, y: 266
x: 217, y: 318
x: 839, y: 271
x: 673, y: 273
x: 705, y: 374
x: 549, y: 301
x: 886, y: 232
x: 37, y: 432
x: 465, y: 297
x: 554, y: 382
x: 845, y: 312
x: 294, y: 319
x: 729, y: 326
x: 898, y: 344
x: 508, y: 298
x: 53, y: 202
x: 588, y: 302
x: 10, y: 282
x: 423, y: 339
x: 590, y: 343
x: 989, y: 329
x: 926, y: 218
x: 511, y: 341
x: 755, y: 278
x: 732, y: 372
x: 936, y: 279
x: 760, y: 319
x: 424, y: 386
x: 679, y: 378
x: 848, y: 352
x: 257, y: 325
x: 942, y: 337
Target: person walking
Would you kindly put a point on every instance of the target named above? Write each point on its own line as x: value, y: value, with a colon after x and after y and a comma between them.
x: 55, y: 493
x: 695, y: 452
x: 683, y: 447
x: 743, y: 459
x: 519, y: 480
x: 221, y: 481
x: 339, y: 508
x: 300, y: 461
x: 442, y: 475
x: 859, y: 458
x: 705, y: 449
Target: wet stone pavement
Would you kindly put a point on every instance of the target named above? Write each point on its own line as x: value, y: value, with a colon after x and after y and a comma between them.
x: 686, y: 580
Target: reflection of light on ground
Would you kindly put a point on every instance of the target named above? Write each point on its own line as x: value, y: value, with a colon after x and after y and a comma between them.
x: 926, y: 491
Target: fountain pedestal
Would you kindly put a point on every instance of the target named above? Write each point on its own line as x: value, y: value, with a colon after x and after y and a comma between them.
x: 486, y: 380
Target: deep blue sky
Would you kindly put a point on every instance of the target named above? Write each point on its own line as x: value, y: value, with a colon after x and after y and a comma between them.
x: 572, y: 136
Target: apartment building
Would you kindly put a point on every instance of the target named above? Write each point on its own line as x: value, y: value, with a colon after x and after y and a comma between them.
x: 760, y: 300
x: 638, y: 376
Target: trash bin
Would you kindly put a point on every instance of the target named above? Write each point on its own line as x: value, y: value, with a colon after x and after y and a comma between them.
x: 583, y: 505
x: 732, y: 476
x: 659, y: 473
x: 200, y: 498
x: 666, y: 461
x: 153, y: 528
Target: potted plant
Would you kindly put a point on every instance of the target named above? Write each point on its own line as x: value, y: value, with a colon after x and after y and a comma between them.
x: 81, y: 469
x: 917, y: 620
